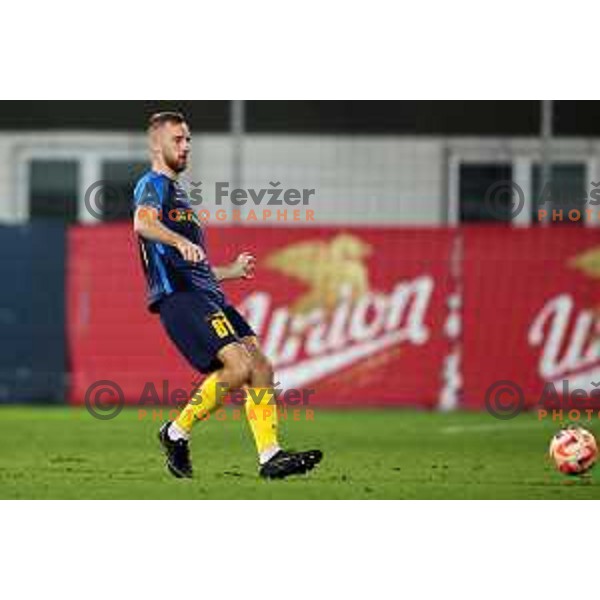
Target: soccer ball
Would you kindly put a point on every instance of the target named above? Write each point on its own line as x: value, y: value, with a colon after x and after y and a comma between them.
x: 573, y: 450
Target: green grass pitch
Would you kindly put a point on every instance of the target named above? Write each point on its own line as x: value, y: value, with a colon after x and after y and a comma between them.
x: 369, y: 454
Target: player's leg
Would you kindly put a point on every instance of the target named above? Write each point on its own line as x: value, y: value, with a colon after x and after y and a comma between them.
x: 261, y: 407
x: 175, y: 435
x: 261, y: 410
x: 235, y: 373
x: 208, y: 341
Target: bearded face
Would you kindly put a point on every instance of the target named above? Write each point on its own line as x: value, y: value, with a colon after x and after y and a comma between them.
x: 172, y: 144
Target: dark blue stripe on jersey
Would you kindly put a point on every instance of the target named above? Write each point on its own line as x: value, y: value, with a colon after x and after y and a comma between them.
x: 163, y: 276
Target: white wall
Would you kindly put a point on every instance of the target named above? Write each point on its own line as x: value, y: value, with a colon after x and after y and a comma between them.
x: 358, y: 179
x: 378, y: 180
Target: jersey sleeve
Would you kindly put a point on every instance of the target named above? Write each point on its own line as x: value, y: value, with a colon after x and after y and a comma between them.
x: 150, y: 192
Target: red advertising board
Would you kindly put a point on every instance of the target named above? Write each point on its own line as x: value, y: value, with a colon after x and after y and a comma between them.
x: 356, y: 314
x: 530, y: 312
x: 362, y: 316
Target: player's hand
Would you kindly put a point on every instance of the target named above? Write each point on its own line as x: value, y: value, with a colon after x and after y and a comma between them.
x: 244, y: 265
x: 190, y: 251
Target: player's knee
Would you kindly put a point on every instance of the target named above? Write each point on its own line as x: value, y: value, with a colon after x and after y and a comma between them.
x: 262, y: 367
x: 242, y: 373
x: 237, y: 365
x: 237, y: 373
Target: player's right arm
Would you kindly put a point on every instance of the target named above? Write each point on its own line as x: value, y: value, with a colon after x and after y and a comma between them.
x: 146, y: 224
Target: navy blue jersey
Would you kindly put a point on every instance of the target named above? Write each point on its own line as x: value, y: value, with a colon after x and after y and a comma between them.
x: 165, y: 269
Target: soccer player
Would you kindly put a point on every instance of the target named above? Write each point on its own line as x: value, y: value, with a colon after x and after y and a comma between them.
x: 183, y: 288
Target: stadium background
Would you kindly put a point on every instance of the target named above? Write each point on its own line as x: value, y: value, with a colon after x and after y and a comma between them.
x: 408, y: 289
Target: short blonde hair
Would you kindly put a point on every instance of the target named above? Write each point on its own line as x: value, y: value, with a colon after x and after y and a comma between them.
x: 160, y: 118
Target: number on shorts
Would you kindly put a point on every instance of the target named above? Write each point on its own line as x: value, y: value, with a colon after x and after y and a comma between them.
x: 221, y: 325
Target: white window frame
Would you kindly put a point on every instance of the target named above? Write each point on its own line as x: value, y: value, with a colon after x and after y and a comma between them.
x: 89, y: 160
x: 454, y: 164
x: 521, y: 155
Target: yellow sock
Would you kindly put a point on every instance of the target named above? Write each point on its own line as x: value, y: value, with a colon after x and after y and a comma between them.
x: 261, y: 412
x: 206, y: 398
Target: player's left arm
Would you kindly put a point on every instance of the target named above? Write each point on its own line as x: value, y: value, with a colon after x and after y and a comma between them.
x: 241, y: 268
